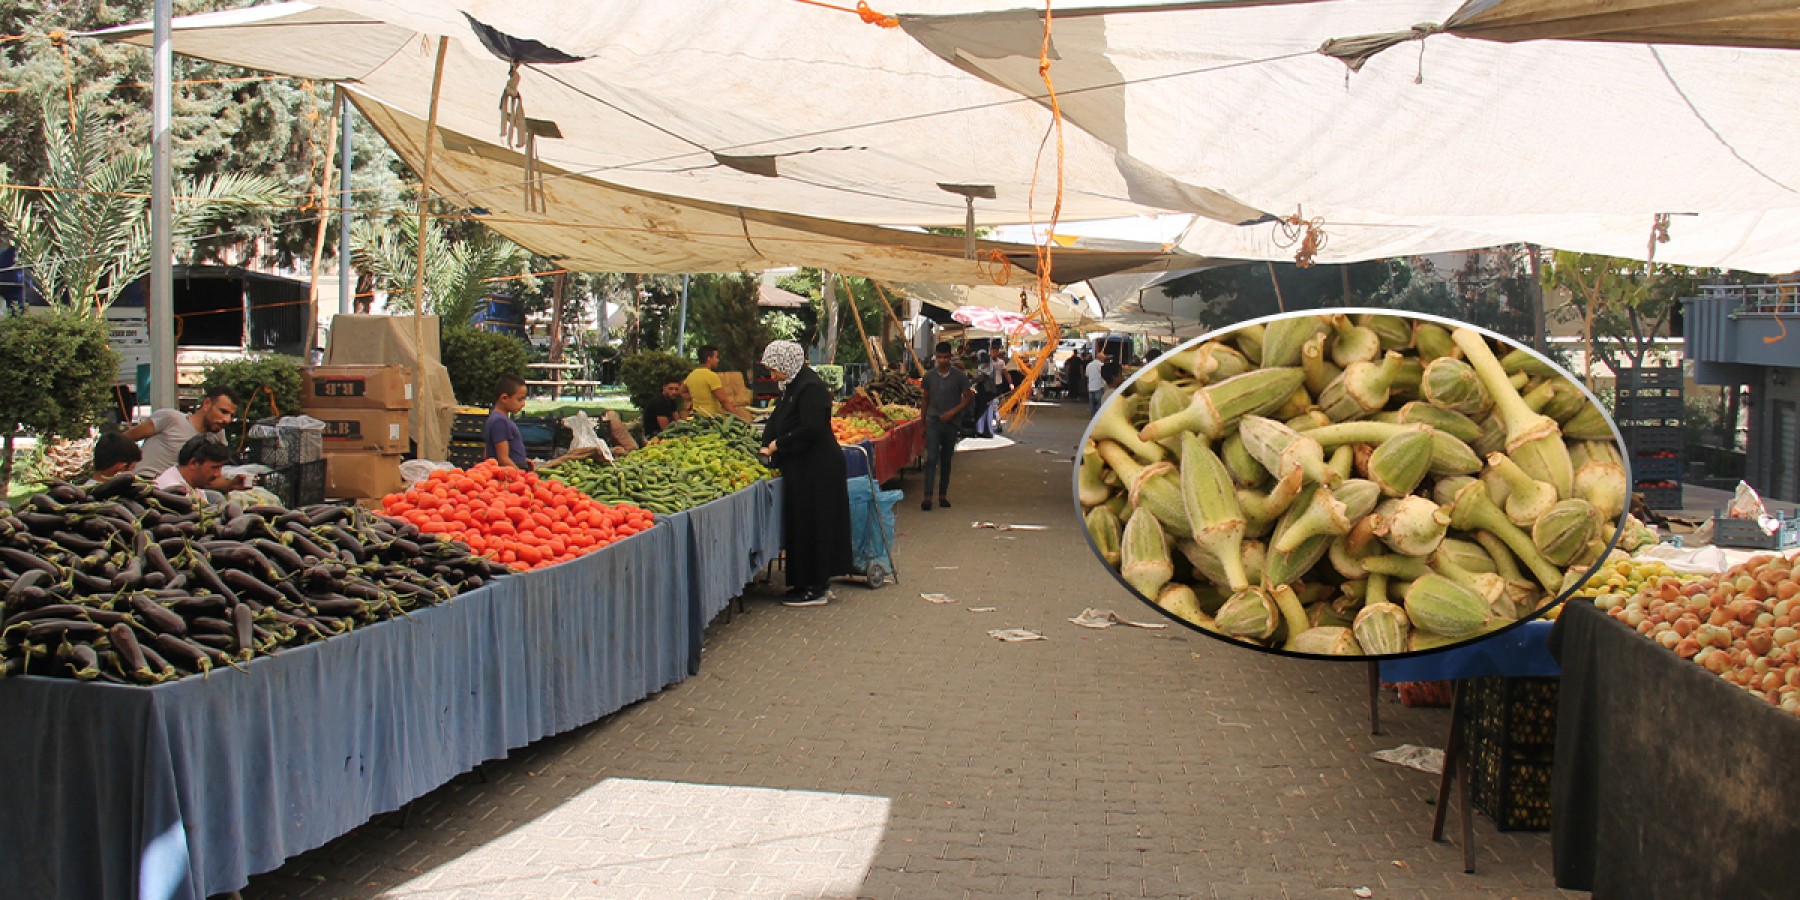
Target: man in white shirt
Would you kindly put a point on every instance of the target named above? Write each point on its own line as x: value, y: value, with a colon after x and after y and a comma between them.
x: 167, y: 431
x: 199, y: 465
x: 1096, y: 382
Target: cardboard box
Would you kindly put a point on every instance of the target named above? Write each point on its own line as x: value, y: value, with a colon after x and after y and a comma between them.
x: 356, y: 387
x: 362, y: 475
x: 364, y: 430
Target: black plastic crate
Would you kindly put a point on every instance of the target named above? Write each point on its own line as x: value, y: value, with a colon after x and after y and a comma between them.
x: 1656, y: 468
x: 1649, y: 377
x: 1647, y: 422
x: 302, y: 484
x: 1648, y: 393
x: 1652, y: 440
x: 1510, y: 727
x: 1511, y: 785
x: 1638, y: 408
x: 1661, y: 497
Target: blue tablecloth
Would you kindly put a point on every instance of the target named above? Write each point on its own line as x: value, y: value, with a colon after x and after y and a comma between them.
x: 728, y: 541
x: 1521, y: 652
x: 186, y: 789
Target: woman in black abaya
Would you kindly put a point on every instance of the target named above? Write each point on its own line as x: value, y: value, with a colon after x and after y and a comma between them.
x: 815, y: 502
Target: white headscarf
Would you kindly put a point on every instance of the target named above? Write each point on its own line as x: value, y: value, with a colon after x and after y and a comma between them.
x: 785, y: 357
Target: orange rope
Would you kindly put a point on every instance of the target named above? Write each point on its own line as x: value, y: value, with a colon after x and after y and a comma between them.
x: 869, y: 16
x: 1014, y: 409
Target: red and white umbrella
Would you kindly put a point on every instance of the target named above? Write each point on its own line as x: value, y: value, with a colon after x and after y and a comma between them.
x: 988, y: 318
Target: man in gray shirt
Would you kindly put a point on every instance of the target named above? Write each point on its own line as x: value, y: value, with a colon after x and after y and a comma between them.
x: 167, y: 430
x: 948, y: 392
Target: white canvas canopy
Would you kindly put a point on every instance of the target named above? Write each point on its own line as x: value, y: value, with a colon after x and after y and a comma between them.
x: 688, y: 135
x: 1458, y: 143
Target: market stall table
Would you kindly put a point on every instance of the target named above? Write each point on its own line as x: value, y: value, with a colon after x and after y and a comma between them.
x: 1519, y: 652
x: 729, y: 541
x: 186, y: 789
x: 1669, y: 781
x: 891, y: 453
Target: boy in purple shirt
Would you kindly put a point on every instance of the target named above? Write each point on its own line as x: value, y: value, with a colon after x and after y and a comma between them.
x: 505, y: 444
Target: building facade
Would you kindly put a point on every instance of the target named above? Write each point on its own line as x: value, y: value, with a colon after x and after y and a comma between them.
x: 1750, y: 335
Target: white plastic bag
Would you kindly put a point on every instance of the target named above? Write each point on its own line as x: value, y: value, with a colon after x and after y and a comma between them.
x: 1746, y: 504
x: 584, y: 435
x: 414, y: 471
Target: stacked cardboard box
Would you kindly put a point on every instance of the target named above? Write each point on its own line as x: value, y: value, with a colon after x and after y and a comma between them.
x: 365, y: 410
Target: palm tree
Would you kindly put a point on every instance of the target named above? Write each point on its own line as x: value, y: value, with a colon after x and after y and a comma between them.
x: 85, y: 235
x: 456, y: 272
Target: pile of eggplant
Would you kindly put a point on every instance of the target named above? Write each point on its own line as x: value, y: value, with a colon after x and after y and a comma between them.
x: 133, y: 585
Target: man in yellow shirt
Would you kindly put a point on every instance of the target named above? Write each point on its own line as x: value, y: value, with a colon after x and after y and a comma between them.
x: 707, y: 389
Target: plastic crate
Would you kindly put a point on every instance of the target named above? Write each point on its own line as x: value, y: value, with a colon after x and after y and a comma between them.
x: 1661, y: 498
x: 464, y: 454
x: 1652, y: 440
x: 1671, y: 423
x: 1747, y: 535
x: 1650, y: 377
x: 1647, y: 393
x: 1641, y: 408
x: 1510, y: 727
x: 470, y: 426
x: 1656, y: 468
x: 302, y: 484
x: 267, y: 450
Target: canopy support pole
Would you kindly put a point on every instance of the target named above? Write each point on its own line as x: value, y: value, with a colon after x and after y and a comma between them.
x: 346, y: 275
x: 161, y: 302
x: 911, y: 353
x: 312, y: 294
x: 1280, y: 304
x: 421, y: 385
x: 856, y: 314
x: 681, y: 327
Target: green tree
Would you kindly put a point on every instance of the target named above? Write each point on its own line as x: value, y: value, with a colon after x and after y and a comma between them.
x: 1236, y: 293
x: 645, y: 373
x: 724, y: 313
x: 86, y: 235
x: 476, y: 359
x: 263, y: 387
x: 224, y: 120
x: 456, y: 270
x: 56, y: 372
x: 1624, y: 305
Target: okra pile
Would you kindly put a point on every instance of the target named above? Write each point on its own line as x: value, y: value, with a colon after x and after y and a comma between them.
x: 1337, y: 485
x: 135, y: 585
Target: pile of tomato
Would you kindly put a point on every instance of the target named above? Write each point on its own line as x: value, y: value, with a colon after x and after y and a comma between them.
x: 514, y: 517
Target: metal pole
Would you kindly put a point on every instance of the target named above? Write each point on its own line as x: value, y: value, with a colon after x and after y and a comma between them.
x: 162, y: 216
x: 681, y: 330
x: 346, y: 275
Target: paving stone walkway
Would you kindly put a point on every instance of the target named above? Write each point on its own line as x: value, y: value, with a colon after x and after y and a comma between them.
x: 884, y: 746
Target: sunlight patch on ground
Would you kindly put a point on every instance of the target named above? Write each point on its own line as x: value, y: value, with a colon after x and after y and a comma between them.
x: 631, y: 838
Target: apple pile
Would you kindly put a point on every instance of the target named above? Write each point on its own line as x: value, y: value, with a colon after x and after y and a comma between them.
x: 1743, y: 626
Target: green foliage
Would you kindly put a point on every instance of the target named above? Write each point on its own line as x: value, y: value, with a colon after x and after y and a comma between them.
x: 225, y: 120
x: 645, y: 373
x: 88, y: 237
x: 833, y: 376
x: 476, y: 360
x: 457, y: 267
x: 783, y: 326
x: 724, y: 313
x: 255, y: 381
x: 1624, y: 305
x: 56, y: 374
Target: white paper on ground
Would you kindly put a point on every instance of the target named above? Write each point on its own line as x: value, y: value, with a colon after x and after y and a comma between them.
x: 993, y: 443
x: 984, y: 608
x: 1001, y: 526
x: 1015, y: 635
x: 937, y: 598
x: 1412, y: 756
x: 1106, y: 618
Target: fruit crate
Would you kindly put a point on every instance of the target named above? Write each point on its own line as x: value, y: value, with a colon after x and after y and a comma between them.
x: 1656, y: 468
x: 469, y: 426
x: 301, y: 484
x: 1647, y: 408
x: 466, y: 453
x: 1510, y: 727
x: 1652, y: 440
x: 1660, y: 497
x: 1747, y: 535
x: 1634, y: 394
x: 1649, y: 377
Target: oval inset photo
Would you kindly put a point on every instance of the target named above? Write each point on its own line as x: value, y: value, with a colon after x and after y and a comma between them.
x: 1352, y: 484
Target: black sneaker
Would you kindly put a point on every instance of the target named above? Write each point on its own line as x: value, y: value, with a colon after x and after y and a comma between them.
x: 815, y: 598
x: 944, y: 502
x: 926, y: 506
